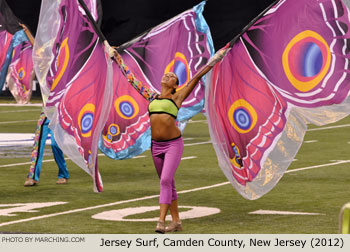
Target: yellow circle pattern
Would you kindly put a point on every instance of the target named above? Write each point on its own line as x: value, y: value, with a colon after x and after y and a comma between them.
x: 305, y: 86
x: 241, y: 103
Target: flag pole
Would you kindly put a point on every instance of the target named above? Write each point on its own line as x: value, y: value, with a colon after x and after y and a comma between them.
x: 110, y: 50
x: 93, y: 22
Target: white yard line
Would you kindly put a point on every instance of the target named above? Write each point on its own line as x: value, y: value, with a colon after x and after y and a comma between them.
x: 20, y: 105
x: 187, y: 158
x: 26, y: 163
x: 330, y: 127
x: 198, y: 121
x: 311, y: 141
x: 318, y: 166
x: 314, y: 129
x: 17, y: 111
x: 149, y: 197
x: 53, y: 160
x: 100, y: 155
x: 192, y: 144
x: 10, y: 122
x: 273, y: 212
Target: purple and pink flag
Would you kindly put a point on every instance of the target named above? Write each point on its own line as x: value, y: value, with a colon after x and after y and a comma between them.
x: 16, y: 67
x: 21, y: 74
x: 288, y: 69
x: 5, y: 44
x: 75, y: 75
x: 181, y: 45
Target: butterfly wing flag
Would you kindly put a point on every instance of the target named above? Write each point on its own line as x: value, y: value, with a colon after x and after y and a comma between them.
x: 77, y: 81
x: 21, y: 73
x: 45, y: 39
x: 11, y: 35
x: 261, y: 96
x: 182, y: 45
x: 5, y: 44
x: 15, y: 57
x: 127, y: 130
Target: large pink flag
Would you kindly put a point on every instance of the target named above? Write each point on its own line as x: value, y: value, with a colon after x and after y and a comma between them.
x: 182, y: 45
x: 289, y: 68
x: 75, y: 74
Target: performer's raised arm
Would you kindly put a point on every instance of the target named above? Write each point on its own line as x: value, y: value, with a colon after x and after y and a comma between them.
x: 186, y: 91
x: 28, y: 33
x: 147, y: 93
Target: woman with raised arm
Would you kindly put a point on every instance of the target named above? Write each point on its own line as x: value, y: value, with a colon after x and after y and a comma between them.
x: 167, y: 143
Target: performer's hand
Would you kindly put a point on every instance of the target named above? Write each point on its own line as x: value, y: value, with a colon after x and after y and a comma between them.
x: 110, y: 50
x: 219, y: 55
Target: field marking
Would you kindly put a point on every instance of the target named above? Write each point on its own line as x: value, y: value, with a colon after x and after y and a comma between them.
x: 192, y: 144
x: 25, y: 207
x: 330, y: 127
x: 197, y: 121
x: 21, y: 105
x: 18, y: 139
x: 263, y: 212
x: 314, y: 129
x: 17, y: 111
x: 311, y: 141
x: 121, y: 214
x: 28, y: 163
x: 104, y: 205
x: 148, y: 197
x: 318, y: 166
x: 52, y: 160
x: 10, y: 122
x: 137, y: 157
x: 187, y: 158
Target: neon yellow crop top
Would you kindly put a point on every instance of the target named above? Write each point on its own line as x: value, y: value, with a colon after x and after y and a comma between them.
x: 163, y: 105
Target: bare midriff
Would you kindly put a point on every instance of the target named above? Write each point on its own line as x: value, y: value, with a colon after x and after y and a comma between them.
x: 163, y: 127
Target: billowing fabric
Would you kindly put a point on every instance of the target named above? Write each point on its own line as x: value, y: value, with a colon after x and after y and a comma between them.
x: 5, y: 54
x: 21, y: 73
x: 9, y: 38
x: 181, y: 45
x: 290, y: 68
x: 75, y: 74
x: 47, y: 31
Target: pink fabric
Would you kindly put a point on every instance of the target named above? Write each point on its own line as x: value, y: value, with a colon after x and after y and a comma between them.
x: 166, y: 157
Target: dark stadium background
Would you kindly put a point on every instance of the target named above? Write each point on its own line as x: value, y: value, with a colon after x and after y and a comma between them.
x: 124, y: 20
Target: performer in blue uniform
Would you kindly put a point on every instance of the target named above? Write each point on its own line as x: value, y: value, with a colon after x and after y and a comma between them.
x: 41, y: 133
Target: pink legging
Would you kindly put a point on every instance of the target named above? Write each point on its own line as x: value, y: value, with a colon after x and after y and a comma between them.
x: 166, y: 157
